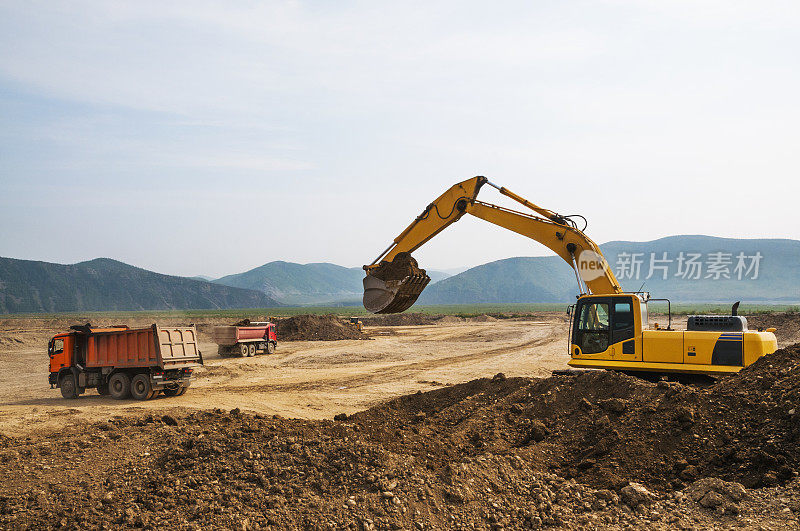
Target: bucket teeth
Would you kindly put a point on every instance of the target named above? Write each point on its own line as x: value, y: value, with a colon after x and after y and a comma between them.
x: 393, y: 296
x: 393, y: 286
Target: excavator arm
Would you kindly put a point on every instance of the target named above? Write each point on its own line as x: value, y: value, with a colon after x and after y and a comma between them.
x: 394, y: 282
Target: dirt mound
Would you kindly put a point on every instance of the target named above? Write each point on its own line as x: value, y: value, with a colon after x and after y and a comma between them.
x: 234, y: 470
x: 316, y: 328
x: 400, y: 319
x: 482, y: 318
x: 400, y: 267
x: 606, y: 428
x: 787, y: 325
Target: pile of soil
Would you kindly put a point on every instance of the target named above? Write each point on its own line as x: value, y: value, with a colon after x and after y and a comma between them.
x: 400, y: 267
x: 786, y: 323
x: 594, y: 450
x: 606, y: 427
x: 400, y: 319
x: 421, y: 319
x: 482, y: 318
x: 316, y: 328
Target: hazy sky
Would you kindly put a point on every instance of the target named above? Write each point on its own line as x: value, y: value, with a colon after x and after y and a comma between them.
x: 211, y: 137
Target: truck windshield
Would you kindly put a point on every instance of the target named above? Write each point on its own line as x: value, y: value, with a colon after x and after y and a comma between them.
x: 56, y: 346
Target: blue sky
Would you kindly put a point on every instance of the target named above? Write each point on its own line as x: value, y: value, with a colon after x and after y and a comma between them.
x: 211, y: 137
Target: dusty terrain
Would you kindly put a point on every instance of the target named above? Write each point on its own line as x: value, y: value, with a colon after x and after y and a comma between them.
x: 252, y: 445
x: 308, y: 379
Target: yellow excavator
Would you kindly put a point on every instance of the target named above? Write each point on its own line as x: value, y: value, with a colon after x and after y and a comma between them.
x: 609, y: 328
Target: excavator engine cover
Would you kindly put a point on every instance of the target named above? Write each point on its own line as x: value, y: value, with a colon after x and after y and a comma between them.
x: 394, y: 286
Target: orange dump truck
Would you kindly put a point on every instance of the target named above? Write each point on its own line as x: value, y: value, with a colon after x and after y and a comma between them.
x: 124, y: 362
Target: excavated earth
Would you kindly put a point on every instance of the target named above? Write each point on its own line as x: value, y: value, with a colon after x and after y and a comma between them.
x: 587, y: 450
x: 316, y: 328
x: 399, y: 268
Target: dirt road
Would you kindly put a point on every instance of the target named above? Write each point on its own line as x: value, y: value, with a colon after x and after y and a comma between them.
x: 307, y: 379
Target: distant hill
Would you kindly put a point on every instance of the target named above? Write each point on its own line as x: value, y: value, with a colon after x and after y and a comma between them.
x: 521, y: 279
x: 550, y: 279
x: 106, y: 285
x: 103, y: 284
x: 319, y: 283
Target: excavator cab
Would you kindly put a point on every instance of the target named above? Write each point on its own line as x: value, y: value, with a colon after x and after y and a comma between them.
x: 603, y: 322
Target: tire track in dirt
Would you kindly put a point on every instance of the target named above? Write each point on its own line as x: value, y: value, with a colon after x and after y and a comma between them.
x: 396, y: 372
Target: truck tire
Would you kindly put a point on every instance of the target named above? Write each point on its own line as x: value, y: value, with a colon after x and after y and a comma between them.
x: 175, y: 392
x: 119, y: 386
x: 251, y: 349
x: 244, y: 350
x: 69, y: 389
x: 102, y: 389
x: 141, y: 388
x: 270, y: 348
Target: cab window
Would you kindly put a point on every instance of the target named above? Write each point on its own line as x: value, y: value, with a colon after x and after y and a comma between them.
x: 623, y: 315
x: 58, y: 346
x: 622, y: 322
x: 593, y: 328
x: 594, y: 317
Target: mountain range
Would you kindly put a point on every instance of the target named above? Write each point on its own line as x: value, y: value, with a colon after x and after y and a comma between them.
x: 681, y: 268
x: 28, y: 286
x: 300, y: 284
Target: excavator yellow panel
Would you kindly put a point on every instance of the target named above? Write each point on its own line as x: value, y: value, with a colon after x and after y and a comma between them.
x: 687, y: 351
x: 662, y: 346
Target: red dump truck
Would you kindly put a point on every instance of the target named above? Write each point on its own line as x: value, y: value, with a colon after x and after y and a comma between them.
x: 245, y: 340
x: 124, y: 362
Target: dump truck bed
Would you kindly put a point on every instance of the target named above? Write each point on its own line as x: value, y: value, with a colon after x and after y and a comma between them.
x: 230, y: 335
x: 167, y: 348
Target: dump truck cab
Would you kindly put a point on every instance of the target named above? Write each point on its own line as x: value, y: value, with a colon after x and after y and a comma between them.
x: 60, y: 349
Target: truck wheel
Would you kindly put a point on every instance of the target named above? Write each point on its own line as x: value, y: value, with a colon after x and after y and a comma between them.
x: 68, y: 387
x: 244, y: 350
x: 175, y: 392
x: 119, y: 386
x: 141, y: 389
x: 102, y: 389
x: 251, y: 349
x: 270, y: 347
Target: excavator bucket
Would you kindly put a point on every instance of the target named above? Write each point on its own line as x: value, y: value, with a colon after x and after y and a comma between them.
x: 394, y: 286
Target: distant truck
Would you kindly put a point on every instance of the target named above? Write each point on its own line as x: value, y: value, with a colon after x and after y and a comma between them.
x: 124, y: 362
x: 245, y: 339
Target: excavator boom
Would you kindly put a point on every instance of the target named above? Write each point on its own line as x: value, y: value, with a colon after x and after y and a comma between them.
x: 394, y: 281
x: 610, y: 328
